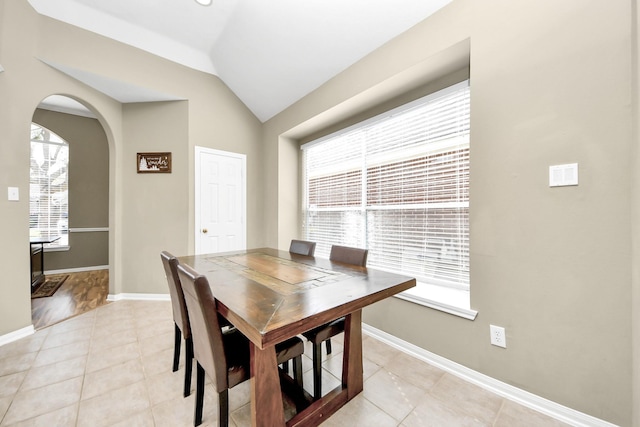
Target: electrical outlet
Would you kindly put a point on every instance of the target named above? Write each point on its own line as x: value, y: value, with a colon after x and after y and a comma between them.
x: 498, y: 336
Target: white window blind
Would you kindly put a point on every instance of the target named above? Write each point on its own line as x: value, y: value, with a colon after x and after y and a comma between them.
x: 48, y: 190
x: 397, y: 184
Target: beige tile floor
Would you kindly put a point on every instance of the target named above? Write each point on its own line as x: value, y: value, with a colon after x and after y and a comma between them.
x: 112, y: 367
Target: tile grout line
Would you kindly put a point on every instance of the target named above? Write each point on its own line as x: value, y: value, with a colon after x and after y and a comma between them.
x: 84, y: 374
x: 498, y: 412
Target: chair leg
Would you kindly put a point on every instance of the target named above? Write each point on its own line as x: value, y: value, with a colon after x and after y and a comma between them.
x: 317, y: 371
x: 188, y: 366
x: 223, y: 408
x: 176, y: 347
x: 297, y: 370
x: 197, y: 419
x: 328, y: 346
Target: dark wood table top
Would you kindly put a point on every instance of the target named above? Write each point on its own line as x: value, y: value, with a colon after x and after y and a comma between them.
x: 43, y: 239
x: 272, y: 295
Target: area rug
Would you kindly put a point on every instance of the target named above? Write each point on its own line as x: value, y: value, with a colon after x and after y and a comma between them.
x: 50, y: 286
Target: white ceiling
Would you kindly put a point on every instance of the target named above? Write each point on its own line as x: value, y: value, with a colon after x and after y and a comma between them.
x: 270, y: 53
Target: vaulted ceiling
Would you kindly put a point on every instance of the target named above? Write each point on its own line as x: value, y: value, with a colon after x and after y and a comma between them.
x: 270, y: 53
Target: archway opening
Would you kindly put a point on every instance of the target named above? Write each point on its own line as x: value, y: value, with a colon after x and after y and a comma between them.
x: 69, y: 206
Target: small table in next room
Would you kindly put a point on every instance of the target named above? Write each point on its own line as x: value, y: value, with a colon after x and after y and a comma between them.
x: 37, y: 259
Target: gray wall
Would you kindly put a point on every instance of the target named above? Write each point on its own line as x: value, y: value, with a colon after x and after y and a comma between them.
x: 551, y: 83
x: 146, y: 213
x: 88, y: 189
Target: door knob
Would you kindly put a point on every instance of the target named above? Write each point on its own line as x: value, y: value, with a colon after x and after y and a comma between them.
x: 204, y: 230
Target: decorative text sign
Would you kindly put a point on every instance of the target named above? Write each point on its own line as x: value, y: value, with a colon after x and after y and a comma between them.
x: 154, y: 163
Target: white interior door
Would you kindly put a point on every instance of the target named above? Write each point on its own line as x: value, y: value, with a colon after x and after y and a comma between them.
x: 220, y: 201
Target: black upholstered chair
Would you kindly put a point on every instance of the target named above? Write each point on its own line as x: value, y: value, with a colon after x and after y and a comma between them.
x: 180, y: 319
x: 222, y: 353
x: 302, y: 247
x: 347, y: 255
x: 323, y: 333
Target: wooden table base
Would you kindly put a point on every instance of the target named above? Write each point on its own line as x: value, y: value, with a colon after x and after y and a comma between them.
x: 264, y: 373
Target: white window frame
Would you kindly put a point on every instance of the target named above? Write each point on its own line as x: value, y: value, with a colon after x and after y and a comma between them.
x: 450, y: 298
x: 62, y: 217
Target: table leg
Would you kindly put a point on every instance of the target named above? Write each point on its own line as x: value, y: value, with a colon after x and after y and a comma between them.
x: 266, y: 399
x: 39, y: 251
x: 352, y: 370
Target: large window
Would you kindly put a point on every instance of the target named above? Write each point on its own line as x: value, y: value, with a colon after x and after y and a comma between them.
x: 48, y: 190
x: 397, y: 184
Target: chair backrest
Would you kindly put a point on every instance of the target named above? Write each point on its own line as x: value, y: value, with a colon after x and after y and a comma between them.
x: 302, y: 247
x: 208, y: 345
x: 180, y: 315
x: 347, y: 255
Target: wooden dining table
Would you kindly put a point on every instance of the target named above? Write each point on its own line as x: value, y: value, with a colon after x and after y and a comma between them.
x: 272, y: 295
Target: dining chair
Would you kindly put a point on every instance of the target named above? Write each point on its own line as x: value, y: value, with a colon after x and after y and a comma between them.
x: 223, y: 353
x: 180, y: 319
x: 323, y: 333
x: 302, y: 247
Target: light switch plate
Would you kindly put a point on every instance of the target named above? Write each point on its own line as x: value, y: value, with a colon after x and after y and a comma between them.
x: 563, y: 175
x: 13, y: 194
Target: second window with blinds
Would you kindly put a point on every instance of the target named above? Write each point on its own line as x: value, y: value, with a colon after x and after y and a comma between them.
x: 398, y: 184
x: 49, y: 187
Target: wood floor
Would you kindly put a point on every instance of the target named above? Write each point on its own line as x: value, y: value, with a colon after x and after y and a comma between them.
x: 80, y: 293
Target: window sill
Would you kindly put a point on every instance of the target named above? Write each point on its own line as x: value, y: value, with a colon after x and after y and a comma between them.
x: 452, y: 301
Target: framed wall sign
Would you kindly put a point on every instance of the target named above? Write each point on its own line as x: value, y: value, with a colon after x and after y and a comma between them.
x: 153, y: 163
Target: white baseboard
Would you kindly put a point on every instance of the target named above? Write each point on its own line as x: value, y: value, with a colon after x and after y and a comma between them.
x: 139, y: 297
x: 78, y: 269
x: 530, y: 400
x: 16, y: 335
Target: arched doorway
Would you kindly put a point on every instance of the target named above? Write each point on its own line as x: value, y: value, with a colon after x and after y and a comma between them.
x: 76, y: 270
